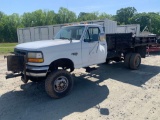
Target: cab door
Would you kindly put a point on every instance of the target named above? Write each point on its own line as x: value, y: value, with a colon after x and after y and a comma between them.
x: 90, y: 46
x: 102, y: 48
x: 94, y: 49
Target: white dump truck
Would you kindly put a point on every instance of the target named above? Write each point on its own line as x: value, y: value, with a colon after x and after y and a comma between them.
x: 73, y: 47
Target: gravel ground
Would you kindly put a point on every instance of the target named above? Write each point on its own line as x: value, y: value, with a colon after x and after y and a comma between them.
x: 111, y: 92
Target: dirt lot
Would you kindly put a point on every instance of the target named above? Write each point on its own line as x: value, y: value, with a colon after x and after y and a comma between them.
x: 112, y: 92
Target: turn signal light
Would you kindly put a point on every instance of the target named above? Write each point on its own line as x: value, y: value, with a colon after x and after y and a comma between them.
x: 35, y: 60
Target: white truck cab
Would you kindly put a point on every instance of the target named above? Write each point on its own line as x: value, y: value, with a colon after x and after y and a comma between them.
x: 72, y: 47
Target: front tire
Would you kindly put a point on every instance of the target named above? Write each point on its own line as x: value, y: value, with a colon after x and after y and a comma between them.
x: 58, y: 84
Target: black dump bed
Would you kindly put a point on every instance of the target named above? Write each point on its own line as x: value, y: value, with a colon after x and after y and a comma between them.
x: 121, y: 41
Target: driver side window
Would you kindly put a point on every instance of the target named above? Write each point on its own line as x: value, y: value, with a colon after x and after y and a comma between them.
x: 92, y: 34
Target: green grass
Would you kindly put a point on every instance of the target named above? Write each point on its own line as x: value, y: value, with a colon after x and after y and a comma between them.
x: 8, y: 44
x: 7, y: 47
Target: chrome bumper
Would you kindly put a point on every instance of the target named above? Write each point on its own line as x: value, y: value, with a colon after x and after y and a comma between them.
x: 36, y: 71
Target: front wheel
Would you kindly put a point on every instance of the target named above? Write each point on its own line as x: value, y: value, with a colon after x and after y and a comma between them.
x: 58, y: 84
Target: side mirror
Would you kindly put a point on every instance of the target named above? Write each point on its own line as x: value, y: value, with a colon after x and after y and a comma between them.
x: 102, y: 36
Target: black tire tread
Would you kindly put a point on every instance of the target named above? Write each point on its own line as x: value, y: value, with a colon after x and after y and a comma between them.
x: 127, y: 60
x: 48, y: 83
x: 132, y: 59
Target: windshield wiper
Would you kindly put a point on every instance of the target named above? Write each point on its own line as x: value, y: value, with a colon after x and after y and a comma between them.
x: 64, y: 38
x: 70, y: 39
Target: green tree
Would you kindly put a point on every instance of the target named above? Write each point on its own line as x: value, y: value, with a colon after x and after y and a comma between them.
x: 154, y: 22
x: 124, y: 15
x: 65, y: 16
x: 10, y: 24
x: 1, y: 26
x: 104, y: 15
x: 87, y: 16
x: 149, y: 20
x: 93, y: 16
x: 38, y: 18
x: 50, y: 17
x: 27, y: 19
x: 142, y: 19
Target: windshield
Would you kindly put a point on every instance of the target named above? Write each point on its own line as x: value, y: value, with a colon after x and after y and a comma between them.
x: 70, y: 33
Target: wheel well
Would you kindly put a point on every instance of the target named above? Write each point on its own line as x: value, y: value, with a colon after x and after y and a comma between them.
x: 64, y: 63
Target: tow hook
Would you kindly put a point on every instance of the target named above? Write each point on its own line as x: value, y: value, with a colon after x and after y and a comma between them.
x: 12, y: 75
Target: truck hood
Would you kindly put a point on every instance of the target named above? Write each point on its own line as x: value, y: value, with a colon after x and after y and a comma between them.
x: 43, y: 44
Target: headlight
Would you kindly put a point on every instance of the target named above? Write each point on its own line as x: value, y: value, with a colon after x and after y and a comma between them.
x: 35, y: 57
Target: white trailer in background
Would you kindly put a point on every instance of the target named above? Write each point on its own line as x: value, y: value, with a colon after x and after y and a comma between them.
x: 132, y: 28
x: 47, y: 32
x: 37, y: 33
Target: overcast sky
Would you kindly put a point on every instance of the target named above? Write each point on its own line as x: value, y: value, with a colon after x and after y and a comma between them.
x: 107, y: 6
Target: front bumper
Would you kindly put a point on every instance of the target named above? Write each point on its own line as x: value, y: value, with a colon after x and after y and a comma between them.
x: 36, y: 71
x: 19, y: 67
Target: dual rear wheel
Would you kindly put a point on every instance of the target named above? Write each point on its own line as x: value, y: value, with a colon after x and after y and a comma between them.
x: 132, y: 61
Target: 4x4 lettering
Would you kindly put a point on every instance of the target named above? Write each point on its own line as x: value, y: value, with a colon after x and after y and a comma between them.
x: 74, y: 53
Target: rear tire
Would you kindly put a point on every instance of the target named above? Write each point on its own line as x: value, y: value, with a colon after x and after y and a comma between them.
x: 58, y: 84
x: 135, y: 61
x: 127, y: 60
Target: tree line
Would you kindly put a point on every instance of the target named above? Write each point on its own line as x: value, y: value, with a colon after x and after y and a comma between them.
x: 129, y: 15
